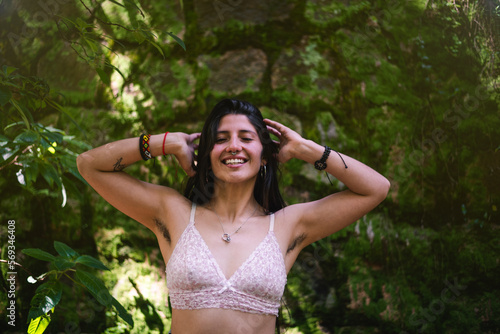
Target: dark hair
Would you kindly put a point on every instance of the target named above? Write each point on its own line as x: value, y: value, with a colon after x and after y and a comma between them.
x: 200, y: 188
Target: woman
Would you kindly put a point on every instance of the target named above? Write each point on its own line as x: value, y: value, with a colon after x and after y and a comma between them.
x: 229, y: 241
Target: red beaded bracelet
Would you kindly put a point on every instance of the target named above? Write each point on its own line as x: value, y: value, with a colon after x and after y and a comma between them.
x: 163, y: 147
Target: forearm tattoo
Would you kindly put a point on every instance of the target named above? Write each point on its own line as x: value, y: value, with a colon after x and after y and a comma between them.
x: 118, y: 166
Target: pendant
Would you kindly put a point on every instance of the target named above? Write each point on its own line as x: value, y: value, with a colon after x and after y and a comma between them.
x: 226, y: 238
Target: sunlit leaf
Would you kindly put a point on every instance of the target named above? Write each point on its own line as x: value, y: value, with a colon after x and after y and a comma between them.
x: 38, y: 325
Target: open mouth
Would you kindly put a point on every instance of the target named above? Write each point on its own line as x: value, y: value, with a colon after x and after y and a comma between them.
x: 234, y: 161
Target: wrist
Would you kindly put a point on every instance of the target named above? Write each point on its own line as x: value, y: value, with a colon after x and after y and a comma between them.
x: 171, y: 143
x: 156, y: 145
x: 309, y: 151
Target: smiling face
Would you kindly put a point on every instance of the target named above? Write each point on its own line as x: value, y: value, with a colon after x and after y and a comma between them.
x: 237, y: 152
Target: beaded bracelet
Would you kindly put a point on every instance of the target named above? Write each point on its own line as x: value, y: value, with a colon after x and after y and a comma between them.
x: 144, y: 147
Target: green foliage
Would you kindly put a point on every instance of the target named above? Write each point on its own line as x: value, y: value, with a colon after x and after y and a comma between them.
x: 95, y: 47
x: 71, y: 265
x: 34, y: 150
x: 407, y: 87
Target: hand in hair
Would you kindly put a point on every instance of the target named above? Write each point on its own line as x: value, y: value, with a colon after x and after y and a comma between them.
x: 184, y: 150
x: 289, y: 140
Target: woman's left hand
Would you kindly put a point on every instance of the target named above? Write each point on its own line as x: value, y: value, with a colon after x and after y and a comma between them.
x: 289, y: 140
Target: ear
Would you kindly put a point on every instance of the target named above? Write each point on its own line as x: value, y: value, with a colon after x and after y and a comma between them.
x: 263, y: 162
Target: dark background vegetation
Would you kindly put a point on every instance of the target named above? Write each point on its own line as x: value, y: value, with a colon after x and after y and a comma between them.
x: 411, y: 88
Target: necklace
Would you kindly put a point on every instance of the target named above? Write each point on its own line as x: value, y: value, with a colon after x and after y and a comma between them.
x: 226, y: 236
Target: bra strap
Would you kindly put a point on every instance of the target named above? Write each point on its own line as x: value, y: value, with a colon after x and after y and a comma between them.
x: 271, y: 224
x: 193, y: 211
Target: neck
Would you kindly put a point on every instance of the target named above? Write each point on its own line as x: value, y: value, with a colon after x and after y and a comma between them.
x: 234, y: 202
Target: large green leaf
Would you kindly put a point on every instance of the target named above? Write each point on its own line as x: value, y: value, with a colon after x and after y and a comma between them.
x: 95, y: 286
x: 64, y: 250
x: 122, y: 312
x: 38, y: 325
x: 38, y: 254
x: 89, y: 261
x: 47, y: 296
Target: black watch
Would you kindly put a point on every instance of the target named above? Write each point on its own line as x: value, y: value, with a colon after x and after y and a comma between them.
x: 321, y: 163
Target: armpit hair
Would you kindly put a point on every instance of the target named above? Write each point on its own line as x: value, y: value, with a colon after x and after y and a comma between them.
x: 297, y: 241
x: 161, y: 227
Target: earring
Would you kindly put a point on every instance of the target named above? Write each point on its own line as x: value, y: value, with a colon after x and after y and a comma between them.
x: 263, y: 171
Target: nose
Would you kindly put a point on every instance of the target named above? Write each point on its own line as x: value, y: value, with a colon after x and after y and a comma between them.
x: 233, y: 145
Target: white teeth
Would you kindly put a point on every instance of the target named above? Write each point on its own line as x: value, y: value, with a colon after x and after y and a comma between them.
x: 234, y: 161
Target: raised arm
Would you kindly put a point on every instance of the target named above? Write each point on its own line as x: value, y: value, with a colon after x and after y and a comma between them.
x: 318, y: 219
x: 103, y: 166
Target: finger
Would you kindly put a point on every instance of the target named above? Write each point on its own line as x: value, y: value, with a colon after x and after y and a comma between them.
x: 190, y: 171
x: 194, y: 136
x: 278, y: 126
x: 273, y: 131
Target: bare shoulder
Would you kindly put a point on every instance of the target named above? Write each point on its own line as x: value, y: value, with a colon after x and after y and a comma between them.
x: 286, y: 222
x: 289, y: 215
x: 173, y: 214
x: 291, y: 239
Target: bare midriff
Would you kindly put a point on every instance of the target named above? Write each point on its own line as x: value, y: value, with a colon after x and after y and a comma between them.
x: 221, y: 321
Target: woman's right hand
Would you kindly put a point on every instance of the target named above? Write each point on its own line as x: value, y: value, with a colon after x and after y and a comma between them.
x: 183, y: 146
